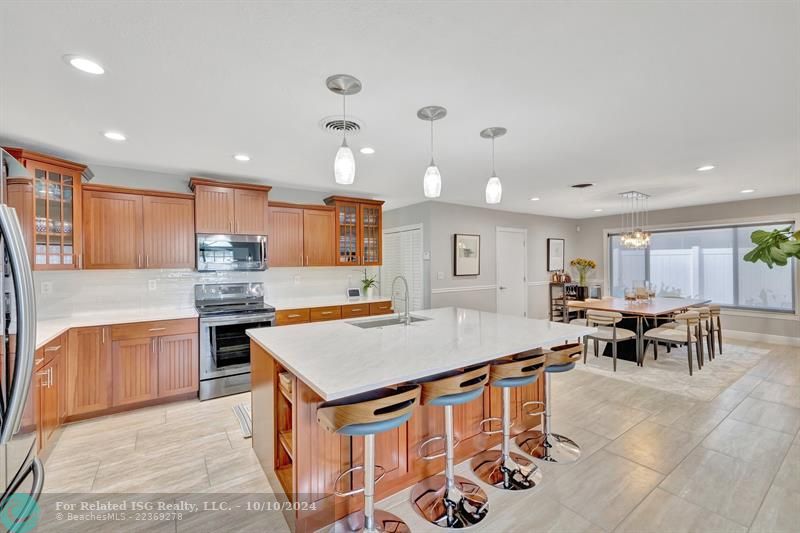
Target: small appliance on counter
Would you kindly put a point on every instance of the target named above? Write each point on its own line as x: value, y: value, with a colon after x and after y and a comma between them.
x: 227, y: 311
x: 231, y: 252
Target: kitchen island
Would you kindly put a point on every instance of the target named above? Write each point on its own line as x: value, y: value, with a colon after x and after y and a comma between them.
x: 295, y: 368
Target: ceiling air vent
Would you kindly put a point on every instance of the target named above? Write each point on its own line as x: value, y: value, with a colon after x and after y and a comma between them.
x: 335, y: 125
x: 582, y: 185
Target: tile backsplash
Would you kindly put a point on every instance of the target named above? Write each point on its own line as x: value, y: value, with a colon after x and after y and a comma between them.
x: 60, y: 294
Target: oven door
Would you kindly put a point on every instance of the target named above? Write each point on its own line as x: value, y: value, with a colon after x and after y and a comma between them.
x: 224, y: 345
x: 231, y: 252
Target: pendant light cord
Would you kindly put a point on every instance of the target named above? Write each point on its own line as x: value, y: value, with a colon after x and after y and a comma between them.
x: 494, y: 173
x: 344, y: 119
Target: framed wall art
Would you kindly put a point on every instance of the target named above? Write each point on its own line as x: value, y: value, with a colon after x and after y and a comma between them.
x: 466, y: 254
x: 555, y: 255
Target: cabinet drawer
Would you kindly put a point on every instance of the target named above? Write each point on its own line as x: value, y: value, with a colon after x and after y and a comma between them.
x: 53, y: 349
x: 318, y: 314
x: 157, y: 328
x: 291, y: 316
x: 354, y: 310
x: 380, y: 308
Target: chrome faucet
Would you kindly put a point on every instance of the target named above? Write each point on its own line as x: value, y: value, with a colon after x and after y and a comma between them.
x: 407, y: 316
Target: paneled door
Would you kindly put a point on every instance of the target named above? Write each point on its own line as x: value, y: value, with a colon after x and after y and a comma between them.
x: 214, y: 208
x: 371, y: 234
x: 88, y: 370
x: 134, y: 369
x: 250, y: 208
x: 285, y: 237
x: 348, y: 250
x: 169, y: 239
x: 177, y: 364
x: 112, y: 224
x: 319, y: 237
x: 511, y: 268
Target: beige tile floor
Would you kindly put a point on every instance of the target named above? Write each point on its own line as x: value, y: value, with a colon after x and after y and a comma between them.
x: 719, y: 451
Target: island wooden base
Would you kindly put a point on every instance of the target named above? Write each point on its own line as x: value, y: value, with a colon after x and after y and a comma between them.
x: 306, y: 459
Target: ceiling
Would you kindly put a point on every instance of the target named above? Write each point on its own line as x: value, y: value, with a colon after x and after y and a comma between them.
x: 626, y: 95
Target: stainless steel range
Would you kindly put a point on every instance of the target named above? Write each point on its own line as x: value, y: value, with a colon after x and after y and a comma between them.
x: 226, y: 311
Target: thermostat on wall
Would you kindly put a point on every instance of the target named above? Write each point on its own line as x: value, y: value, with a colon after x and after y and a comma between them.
x: 354, y: 292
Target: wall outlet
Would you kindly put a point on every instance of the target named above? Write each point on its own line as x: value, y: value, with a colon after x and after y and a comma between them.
x: 152, y: 284
x: 426, y: 255
x: 297, y: 280
x: 440, y: 275
x: 47, y: 287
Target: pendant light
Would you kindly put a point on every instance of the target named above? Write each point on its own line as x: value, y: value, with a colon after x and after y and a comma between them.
x: 344, y: 164
x: 494, y: 189
x: 432, y: 182
x: 634, y: 221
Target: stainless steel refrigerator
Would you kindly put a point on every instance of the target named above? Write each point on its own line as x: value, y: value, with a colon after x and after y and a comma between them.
x: 21, y: 471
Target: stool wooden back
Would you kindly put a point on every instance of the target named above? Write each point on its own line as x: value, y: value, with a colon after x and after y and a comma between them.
x: 521, y: 365
x: 465, y: 381
x: 374, y: 406
x: 564, y: 354
x: 602, y: 318
x: 704, y: 312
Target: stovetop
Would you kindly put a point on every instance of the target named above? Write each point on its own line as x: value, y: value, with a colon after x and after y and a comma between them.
x: 234, y: 309
x: 230, y: 298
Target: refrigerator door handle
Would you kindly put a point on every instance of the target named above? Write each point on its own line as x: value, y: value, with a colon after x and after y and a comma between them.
x: 20, y: 265
x: 37, y: 469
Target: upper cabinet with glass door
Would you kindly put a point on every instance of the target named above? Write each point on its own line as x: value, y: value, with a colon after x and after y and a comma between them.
x: 54, y: 221
x: 358, y: 230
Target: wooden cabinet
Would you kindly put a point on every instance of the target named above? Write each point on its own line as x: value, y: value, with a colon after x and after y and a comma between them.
x: 52, y: 217
x: 19, y: 195
x: 169, y: 240
x: 285, y: 236
x: 319, y: 237
x: 355, y: 310
x: 88, y: 370
x: 236, y: 208
x: 380, y: 308
x: 358, y: 230
x: 284, y: 317
x: 320, y: 314
x: 178, y: 364
x: 134, y: 370
x: 129, y: 228
x: 48, y: 390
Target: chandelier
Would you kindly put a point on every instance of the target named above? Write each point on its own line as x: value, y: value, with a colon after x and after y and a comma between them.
x: 634, y: 220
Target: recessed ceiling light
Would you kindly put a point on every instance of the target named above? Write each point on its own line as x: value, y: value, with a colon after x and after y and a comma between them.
x: 367, y: 150
x: 598, y: 210
x: 114, y: 136
x: 241, y: 157
x: 535, y: 199
x: 84, y: 64
x: 705, y: 168
x: 747, y: 191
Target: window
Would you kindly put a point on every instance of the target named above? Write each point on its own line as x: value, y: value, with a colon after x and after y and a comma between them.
x: 707, y: 263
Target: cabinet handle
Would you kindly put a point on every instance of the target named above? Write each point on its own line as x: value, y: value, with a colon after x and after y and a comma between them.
x: 306, y: 260
x: 147, y: 261
x: 44, y: 374
x: 49, y: 377
x: 327, y: 313
x: 104, y: 334
x: 80, y: 261
x: 52, y: 348
x: 156, y: 329
x: 38, y: 361
x: 154, y: 345
x: 355, y: 309
x: 294, y: 316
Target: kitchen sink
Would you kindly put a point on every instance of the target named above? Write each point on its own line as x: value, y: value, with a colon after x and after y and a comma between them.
x: 393, y: 320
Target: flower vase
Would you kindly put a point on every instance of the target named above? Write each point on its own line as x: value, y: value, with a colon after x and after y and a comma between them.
x: 371, y: 293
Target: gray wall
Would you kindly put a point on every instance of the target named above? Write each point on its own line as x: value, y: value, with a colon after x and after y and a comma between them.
x: 591, y: 243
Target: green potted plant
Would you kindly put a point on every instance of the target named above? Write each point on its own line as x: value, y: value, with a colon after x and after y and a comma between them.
x: 583, y: 266
x: 774, y: 247
x: 369, y: 283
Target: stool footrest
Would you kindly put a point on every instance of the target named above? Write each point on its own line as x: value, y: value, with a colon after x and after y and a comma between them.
x: 489, y: 420
x: 435, y: 438
x: 533, y: 413
x: 350, y: 471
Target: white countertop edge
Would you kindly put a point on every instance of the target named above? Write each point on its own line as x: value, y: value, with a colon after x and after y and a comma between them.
x: 304, y: 302
x: 574, y: 333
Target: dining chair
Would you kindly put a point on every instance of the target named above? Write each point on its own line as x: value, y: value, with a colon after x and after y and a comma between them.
x: 686, y: 333
x: 607, y: 331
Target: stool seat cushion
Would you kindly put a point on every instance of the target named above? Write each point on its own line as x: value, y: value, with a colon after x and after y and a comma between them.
x: 457, y: 399
x: 515, y: 382
x: 560, y: 368
x: 372, y: 428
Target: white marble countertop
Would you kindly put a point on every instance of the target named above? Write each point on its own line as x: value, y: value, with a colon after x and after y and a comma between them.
x: 302, y: 302
x: 50, y: 328
x: 337, y: 359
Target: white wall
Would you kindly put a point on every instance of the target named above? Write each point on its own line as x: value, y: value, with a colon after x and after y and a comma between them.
x: 591, y: 243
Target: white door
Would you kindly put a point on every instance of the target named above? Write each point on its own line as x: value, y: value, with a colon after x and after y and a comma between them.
x: 402, y: 256
x: 512, y: 261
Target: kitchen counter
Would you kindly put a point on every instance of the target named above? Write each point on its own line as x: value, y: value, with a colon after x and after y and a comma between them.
x: 49, y: 329
x: 304, y: 302
x: 337, y: 359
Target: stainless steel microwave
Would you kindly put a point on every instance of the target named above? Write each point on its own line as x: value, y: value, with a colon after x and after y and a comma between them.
x: 231, y: 252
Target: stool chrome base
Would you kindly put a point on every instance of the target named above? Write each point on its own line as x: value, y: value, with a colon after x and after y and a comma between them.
x: 384, y: 522
x: 552, y: 448
x: 463, y: 506
x: 513, y: 472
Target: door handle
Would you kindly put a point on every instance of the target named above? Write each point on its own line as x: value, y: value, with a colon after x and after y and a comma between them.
x: 503, y: 288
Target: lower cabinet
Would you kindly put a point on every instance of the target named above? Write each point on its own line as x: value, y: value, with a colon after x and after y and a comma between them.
x: 178, y: 365
x: 88, y: 370
x: 134, y: 370
x: 49, y: 389
x: 285, y: 317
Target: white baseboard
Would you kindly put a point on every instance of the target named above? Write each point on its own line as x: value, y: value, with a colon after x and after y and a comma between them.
x: 760, y: 337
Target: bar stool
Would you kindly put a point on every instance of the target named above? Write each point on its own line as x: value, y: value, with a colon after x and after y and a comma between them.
x: 716, y: 325
x: 687, y: 332
x: 545, y: 444
x: 448, y: 500
x: 366, y: 415
x: 502, y: 468
x: 607, y: 332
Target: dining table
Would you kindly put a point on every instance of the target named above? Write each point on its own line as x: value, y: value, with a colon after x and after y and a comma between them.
x: 638, y: 310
